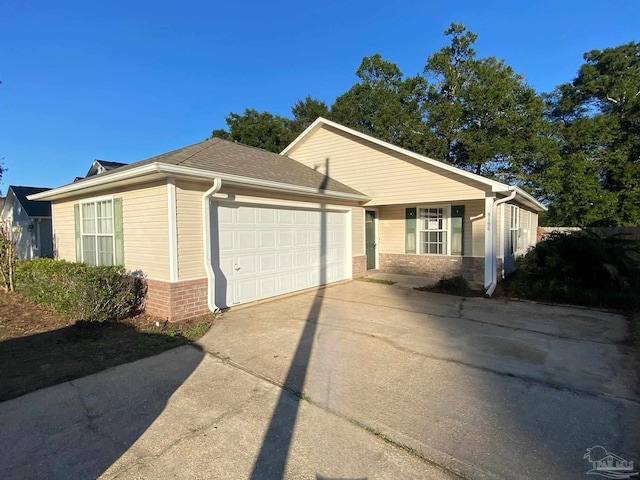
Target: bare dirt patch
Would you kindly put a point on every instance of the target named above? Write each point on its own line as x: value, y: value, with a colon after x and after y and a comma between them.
x: 39, y: 348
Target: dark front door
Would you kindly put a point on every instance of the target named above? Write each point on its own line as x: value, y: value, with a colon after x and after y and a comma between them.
x: 370, y: 238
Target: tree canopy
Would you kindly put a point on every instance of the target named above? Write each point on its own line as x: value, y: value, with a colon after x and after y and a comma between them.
x: 577, y: 148
x: 595, y: 179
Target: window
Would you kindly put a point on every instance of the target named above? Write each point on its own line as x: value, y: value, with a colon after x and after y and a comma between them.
x: 97, y: 232
x: 514, y: 228
x: 434, y: 230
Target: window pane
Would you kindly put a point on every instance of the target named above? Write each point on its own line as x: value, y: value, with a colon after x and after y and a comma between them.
x: 88, y: 218
x: 89, y: 249
x: 105, y: 250
x: 105, y: 216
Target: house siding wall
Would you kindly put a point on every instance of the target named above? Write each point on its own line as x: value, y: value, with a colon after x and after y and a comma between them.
x: 392, y: 227
x: 146, y: 235
x: 387, y: 177
x: 189, y: 227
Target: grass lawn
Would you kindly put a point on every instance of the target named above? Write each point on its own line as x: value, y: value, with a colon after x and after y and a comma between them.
x: 39, y: 348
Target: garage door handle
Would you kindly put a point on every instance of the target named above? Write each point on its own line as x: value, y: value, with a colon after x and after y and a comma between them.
x: 237, y: 268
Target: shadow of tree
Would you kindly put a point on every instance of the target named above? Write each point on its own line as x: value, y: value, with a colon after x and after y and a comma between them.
x: 79, y: 429
x: 48, y: 358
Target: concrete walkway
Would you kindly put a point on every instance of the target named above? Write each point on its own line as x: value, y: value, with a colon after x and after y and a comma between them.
x: 358, y: 380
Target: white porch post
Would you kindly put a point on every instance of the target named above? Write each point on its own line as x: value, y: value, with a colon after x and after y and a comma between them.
x: 489, y: 253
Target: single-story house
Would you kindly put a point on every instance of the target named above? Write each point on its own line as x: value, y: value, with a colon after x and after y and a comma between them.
x: 100, y: 166
x: 30, y: 222
x: 216, y: 224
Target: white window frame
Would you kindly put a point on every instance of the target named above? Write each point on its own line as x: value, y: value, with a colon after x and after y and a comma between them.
x: 446, y: 216
x: 514, y: 228
x: 95, y: 202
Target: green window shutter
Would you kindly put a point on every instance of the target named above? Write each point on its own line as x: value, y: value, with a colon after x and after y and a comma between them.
x: 457, y: 230
x: 118, y: 231
x: 76, y: 218
x: 410, y: 230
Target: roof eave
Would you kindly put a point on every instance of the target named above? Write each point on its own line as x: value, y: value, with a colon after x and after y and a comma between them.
x: 161, y: 170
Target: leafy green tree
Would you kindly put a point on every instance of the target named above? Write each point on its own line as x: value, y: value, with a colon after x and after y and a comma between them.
x: 596, y: 180
x: 305, y: 112
x: 271, y: 132
x: 483, y: 116
x: 257, y: 129
x: 383, y: 104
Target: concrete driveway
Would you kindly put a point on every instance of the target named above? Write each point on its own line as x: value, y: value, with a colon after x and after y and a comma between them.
x: 358, y: 380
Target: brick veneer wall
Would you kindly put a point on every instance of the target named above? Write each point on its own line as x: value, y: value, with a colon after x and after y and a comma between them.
x: 471, y: 268
x: 359, y: 267
x: 177, y: 301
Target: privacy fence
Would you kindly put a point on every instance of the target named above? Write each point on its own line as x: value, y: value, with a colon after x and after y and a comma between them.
x: 629, y: 233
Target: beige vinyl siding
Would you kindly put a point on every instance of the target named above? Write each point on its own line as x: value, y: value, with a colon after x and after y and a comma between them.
x: 146, y: 229
x: 392, y: 227
x: 534, y: 228
x: 146, y: 237
x: 474, y: 230
x: 385, y: 176
x: 357, y: 231
x: 189, y: 226
x: 64, y: 231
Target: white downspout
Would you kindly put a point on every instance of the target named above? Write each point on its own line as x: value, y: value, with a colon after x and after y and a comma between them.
x: 494, y: 240
x: 206, y: 242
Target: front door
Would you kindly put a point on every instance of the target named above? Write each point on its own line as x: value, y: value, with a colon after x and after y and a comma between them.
x: 370, y: 238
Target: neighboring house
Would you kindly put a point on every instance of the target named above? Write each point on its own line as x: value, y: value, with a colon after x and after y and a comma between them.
x: 30, y: 222
x: 217, y: 224
x: 100, y: 166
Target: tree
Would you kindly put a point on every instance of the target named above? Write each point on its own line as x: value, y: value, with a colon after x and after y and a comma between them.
x: 257, y: 129
x: 596, y: 118
x: 271, y: 132
x: 305, y: 112
x: 483, y: 116
x: 383, y: 104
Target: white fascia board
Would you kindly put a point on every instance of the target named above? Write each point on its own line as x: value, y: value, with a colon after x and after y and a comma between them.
x: 175, y: 170
x: 496, y: 187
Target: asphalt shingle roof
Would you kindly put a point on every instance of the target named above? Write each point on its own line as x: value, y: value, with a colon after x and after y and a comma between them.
x: 223, y: 156
x: 34, y: 208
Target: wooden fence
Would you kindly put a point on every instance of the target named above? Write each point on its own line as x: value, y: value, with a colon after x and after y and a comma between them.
x: 629, y: 233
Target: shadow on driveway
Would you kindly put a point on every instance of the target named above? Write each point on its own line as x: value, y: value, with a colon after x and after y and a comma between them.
x: 80, y: 428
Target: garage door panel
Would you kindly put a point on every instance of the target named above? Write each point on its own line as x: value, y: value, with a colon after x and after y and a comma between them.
x: 266, y: 239
x: 267, y: 251
x: 285, y: 238
x: 245, y: 240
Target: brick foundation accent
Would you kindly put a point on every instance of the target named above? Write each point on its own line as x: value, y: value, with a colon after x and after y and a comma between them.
x: 471, y: 268
x: 177, y: 301
x: 359, y: 267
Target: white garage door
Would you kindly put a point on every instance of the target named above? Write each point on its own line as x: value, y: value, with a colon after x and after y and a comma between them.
x: 266, y: 251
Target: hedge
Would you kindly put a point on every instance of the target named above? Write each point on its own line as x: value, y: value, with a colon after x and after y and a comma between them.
x: 79, y: 290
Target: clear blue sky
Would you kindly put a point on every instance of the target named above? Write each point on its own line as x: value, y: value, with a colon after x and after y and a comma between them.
x: 125, y: 80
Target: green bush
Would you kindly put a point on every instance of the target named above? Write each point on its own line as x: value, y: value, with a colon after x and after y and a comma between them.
x: 457, y: 285
x: 580, y: 268
x: 80, y: 290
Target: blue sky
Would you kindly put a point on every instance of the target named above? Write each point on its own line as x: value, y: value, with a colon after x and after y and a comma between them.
x: 125, y: 80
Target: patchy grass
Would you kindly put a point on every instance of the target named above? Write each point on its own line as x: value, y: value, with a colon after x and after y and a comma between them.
x: 39, y: 348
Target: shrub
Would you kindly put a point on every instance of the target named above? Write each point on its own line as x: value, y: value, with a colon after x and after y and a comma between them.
x: 457, y: 285
x: 579, y: 267
x: 80, y: 290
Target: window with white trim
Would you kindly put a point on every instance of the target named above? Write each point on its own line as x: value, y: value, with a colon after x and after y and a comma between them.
x: 514, y: 228
x: 97, y: 232
x: 433, y: 226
